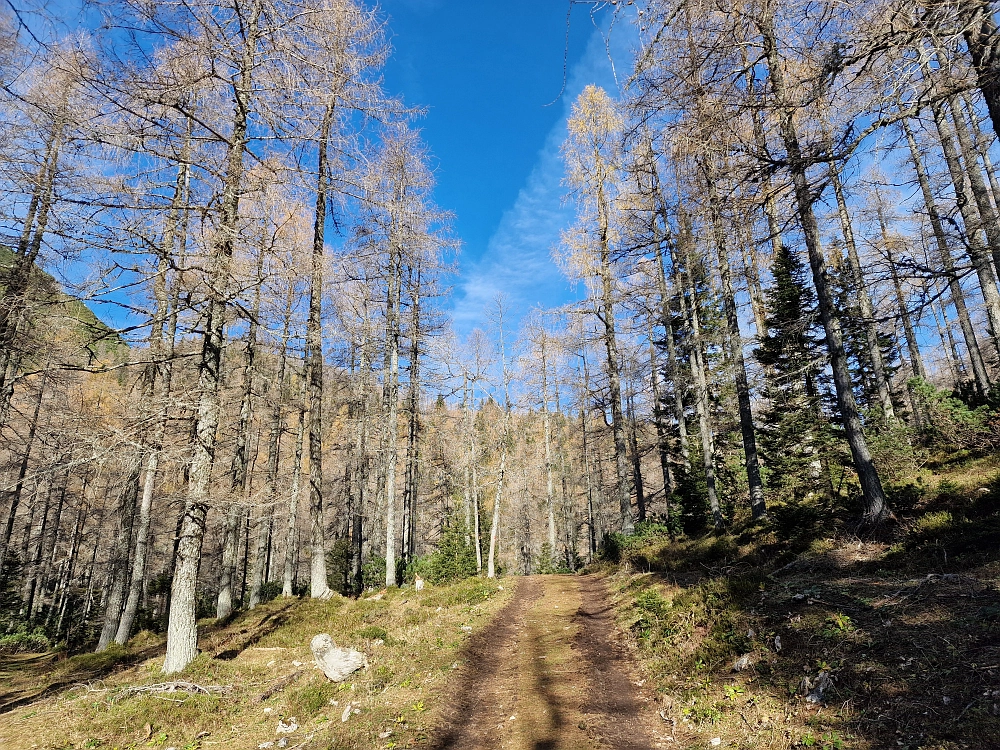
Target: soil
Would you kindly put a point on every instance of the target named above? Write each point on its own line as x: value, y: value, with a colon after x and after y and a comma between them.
x: 549, y: 674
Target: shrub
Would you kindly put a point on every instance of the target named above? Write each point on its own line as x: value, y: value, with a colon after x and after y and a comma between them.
x: 893, y: 452
x: 453, y: 560
x: 548, y: 562
x: 270, y: 590
x: 22, y: 641
x: 933, y: 523
x: 951, y: 422
x: 338, y: 567
x: 373, y: 572
x: 373, y: 633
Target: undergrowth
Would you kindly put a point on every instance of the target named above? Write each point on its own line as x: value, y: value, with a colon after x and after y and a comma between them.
x: 736, y: 630
x: 411, y: 640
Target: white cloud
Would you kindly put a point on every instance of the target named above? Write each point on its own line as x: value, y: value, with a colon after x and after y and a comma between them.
x: 518, y: 261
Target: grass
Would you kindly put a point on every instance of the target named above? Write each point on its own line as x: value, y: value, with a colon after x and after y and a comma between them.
x: 411, y: 640
x: 907, y: 627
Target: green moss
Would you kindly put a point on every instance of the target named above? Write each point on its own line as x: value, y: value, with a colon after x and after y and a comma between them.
x: 308, y: 701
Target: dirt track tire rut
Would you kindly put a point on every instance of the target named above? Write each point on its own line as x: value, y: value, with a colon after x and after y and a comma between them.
x: 547, y: 674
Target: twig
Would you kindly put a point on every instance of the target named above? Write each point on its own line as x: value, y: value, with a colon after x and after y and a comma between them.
x: 176, y: 687
x: 304, y: 742
x: 959, y: 717
x: 279, y: 685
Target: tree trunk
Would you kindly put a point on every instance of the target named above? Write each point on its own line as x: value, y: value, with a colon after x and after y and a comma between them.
x: 182, y: 630
x: 980, y: 192
x: 979, y: 253
x: 699, y: 369
x: 159, y: 385
x: 467, y: 465
x: 916, y: 361
x: 673, y: 369
x: 18, y: 278
x: 876, y: 508
x: 636, y: 455
x: 547, y: 427
x: 118, y: 564
x: 413, y: 429
x: 34, y: 561
x: 476, y: 520
x: 360, y: 460
x: 948, y: 264
x: 49, y: 556
x: 318, y: 586
x: 265, y: 523
x: 758, y: 508
x: 980, y: 32
x: 15, y: 499
x: 291, y: 528
x: 66, y: 578
x: 613, y: 366
x: 591, y: 520
x: 491, y: 565
x: 238, y: 479
x: 868, y: 321
x: 662, y: 438
x: 390, y: 407
x: 982, y: 145
x: 751, y: 272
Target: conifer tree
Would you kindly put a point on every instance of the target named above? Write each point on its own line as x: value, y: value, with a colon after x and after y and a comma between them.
x: 793, y: 429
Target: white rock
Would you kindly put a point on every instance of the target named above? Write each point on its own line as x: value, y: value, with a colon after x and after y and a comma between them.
x: 715, y: 741
x: 418, y: 583
x: 288, y: 728
x: 466, y: 629
x: 743, y: 663
x: 347, y: 713
x: 777, y: 643
x: 268, y: 710
x: 283, y: 742
x: 385, y: 735
x: 265, y: 745
x: 337, y: 663
x: 296, y: 664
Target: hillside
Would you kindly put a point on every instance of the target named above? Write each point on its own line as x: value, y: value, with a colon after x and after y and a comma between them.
x: 828, y: 640
x: 56, y: 309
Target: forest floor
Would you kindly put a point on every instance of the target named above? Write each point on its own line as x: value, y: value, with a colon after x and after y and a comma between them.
x: 539, y: 665
x: 255, y: 684
x: 801, y: 634
x: 792, y: 633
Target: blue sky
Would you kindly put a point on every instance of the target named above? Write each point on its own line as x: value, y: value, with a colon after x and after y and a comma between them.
x: 485, y: 72
x: 490, y: 76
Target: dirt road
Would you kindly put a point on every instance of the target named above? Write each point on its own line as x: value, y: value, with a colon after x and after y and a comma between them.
x: 548, y: 674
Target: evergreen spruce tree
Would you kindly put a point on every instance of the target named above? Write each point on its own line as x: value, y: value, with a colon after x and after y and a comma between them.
x: 795, y: 432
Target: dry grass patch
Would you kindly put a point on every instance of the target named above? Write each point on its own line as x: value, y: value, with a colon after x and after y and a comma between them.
x: 411, y: 639
x: 907, y: 629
